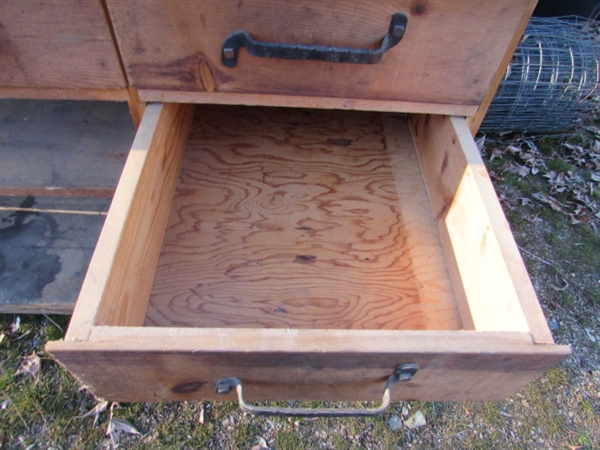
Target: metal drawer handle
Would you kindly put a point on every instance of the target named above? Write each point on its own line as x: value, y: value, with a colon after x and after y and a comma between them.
x: 237, y: 39
x: 403, y: 373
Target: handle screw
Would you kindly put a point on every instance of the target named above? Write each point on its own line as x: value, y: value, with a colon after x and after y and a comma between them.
x: 228, y: 53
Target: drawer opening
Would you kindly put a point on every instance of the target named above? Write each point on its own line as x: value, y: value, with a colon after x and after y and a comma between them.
x: 306, y: 219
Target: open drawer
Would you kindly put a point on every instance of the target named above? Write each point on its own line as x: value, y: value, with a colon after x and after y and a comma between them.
x: 308, y: 253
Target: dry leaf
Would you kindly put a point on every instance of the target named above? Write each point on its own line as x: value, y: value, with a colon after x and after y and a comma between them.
x: 201, y: 416
x: 31, y: 365
x: 15, y: 325
x: 121, y: 426
x: 520, y: 170
x: 554, y: 204
x: 531, y: 145
x: 480, y: 143
x: 95, y: 411
x: 496, y: 153
x: 261, y: 444
x: 116, y: 427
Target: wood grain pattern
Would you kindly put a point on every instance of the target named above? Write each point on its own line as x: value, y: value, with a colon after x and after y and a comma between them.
x: 57, y: 44
x: 449, y: 54
x: 308, y: 219
x: 493, y: 289
x: 150, y: 364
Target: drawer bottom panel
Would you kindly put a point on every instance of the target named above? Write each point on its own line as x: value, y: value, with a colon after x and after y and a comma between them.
x: 286, y: 218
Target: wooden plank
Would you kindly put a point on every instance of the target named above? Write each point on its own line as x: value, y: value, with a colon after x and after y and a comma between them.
x: 303, y: 101
x: 150, y: 364
x: 55, y: 191
x: 474, y: 121
x: 62, y: 148
x: 449, y: 54
x: 45, y: 248
x: 301, y: 219
x: 490, y: 279
x: 59, y: 93
x: 57, y: 44
x: 115, y: 291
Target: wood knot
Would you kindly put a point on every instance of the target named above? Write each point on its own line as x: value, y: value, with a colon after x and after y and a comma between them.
x: 187, y: 388
x: 418, y: 8
x: 339, y: 142
x: 305, y: 259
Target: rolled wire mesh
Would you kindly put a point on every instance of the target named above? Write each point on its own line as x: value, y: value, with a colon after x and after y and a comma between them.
x: 552, y: 83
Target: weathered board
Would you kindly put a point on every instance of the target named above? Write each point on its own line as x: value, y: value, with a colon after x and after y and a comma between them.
x: 46, y: 244
x: 62, y: 148
x: 57, y: 44
x: 445, y: 63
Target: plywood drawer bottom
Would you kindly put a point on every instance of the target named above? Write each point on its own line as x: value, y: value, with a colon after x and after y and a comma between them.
x: 307, y: 253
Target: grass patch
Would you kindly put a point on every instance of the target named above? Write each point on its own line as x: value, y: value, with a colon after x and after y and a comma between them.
x: 558, y: 165
x: 291, y: 440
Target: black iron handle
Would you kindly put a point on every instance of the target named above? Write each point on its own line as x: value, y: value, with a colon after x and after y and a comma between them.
x: 404, y: 372
x: 238, y: 39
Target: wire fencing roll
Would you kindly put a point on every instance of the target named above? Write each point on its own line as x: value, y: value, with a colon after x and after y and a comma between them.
x: 552, y: 82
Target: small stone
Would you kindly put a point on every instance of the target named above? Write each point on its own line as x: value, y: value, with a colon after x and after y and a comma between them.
x: 553, y: 324
x: 405, y: 411
x: 395, y: 423
x: 415, y: 421
x: 261, y: 444
x: 590, y: 335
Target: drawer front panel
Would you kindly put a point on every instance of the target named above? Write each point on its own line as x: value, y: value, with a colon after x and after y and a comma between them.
x: 57, y: 44
x: 448, y: 55
x: 305, y: 365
